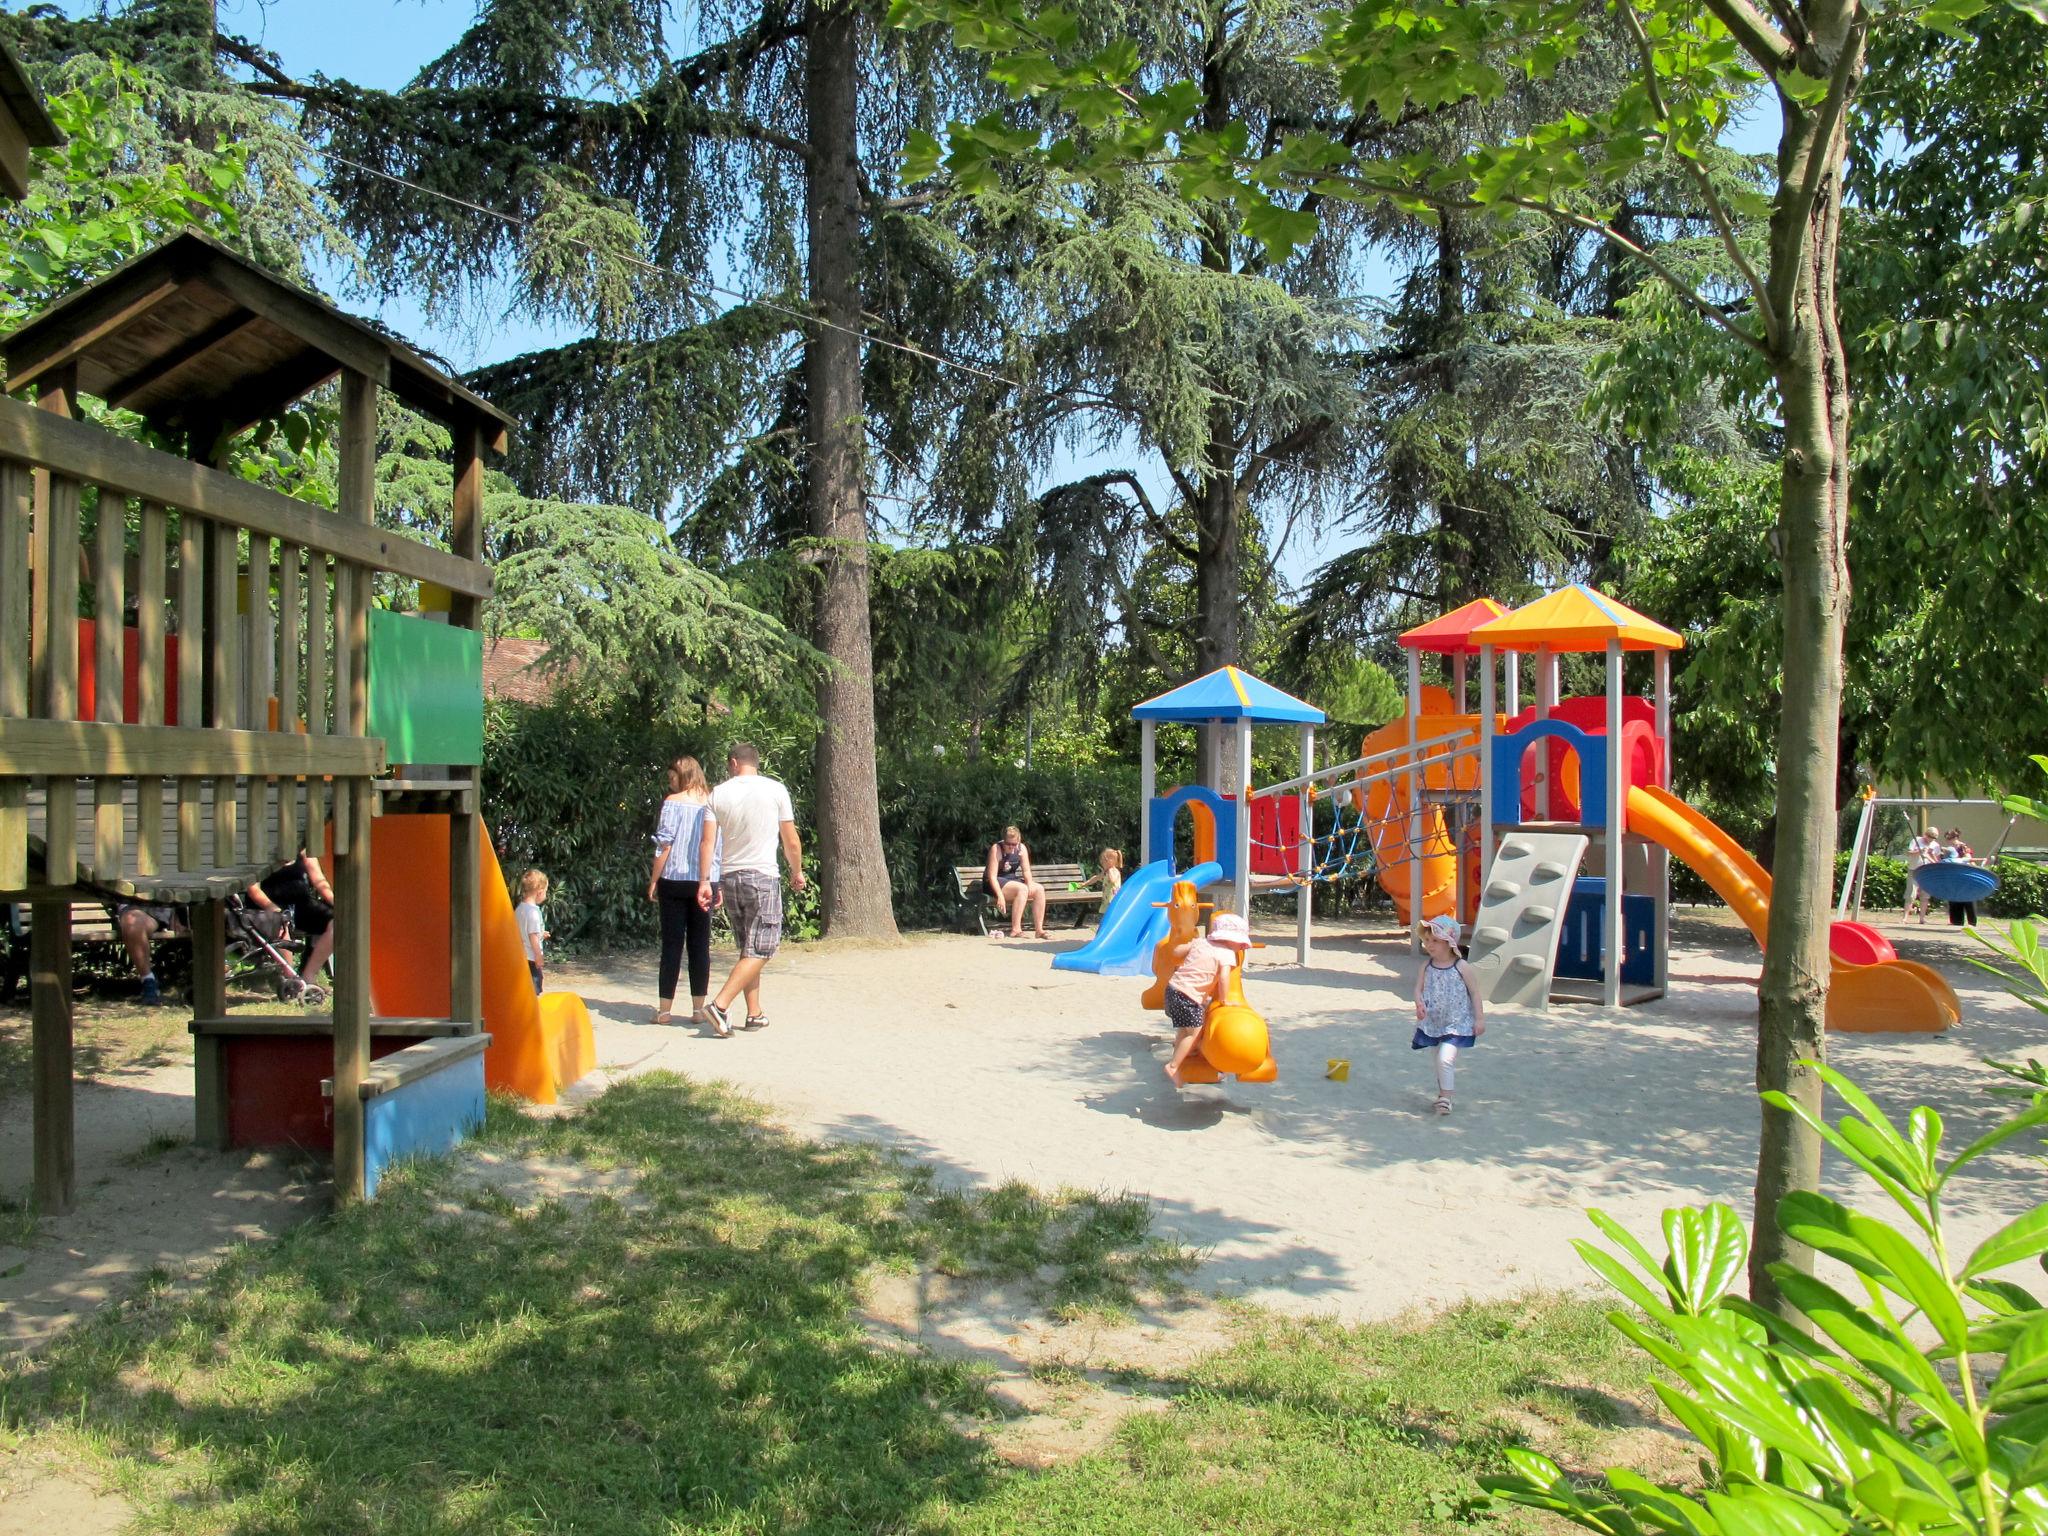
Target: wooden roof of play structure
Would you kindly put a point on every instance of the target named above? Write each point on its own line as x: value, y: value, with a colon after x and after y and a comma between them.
x: 1576, y: 618
x: 1450, y: 634
x: 195, y: 337
x: 1229, y: 694
x: 24, y: 126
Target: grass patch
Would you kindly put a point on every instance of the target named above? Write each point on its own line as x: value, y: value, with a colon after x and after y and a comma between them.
x: 676, y: 1347
x: 110, y: 1038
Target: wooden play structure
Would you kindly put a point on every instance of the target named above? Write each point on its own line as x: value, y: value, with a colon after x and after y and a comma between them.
x: 247, y: 696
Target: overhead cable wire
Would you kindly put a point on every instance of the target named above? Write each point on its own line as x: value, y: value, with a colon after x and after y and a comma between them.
x: 695, y: 287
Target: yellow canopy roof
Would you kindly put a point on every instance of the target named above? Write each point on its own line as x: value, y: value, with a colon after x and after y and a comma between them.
x: 1576, y: 618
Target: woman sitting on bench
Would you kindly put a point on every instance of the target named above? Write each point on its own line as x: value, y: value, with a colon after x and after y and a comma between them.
x: 1010, y: 883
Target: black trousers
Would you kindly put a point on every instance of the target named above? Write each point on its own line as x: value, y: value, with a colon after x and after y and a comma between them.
x: 684, y: 926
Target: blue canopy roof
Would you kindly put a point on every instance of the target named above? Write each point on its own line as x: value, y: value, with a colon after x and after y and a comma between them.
x: 1228, y: 694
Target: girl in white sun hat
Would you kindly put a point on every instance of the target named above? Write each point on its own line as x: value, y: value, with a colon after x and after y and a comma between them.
x: 1450, y: 1015
x: 1199, y: 979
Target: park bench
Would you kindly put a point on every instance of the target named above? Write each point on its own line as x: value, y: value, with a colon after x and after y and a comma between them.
x: 92, y: 922
x: 977, y: 905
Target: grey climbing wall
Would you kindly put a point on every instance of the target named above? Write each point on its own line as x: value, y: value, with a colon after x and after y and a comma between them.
x: 1514, y: 936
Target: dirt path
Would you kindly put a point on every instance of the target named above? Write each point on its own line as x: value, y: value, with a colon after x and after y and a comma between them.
x: 148, y: 1201
x: 1309, y: 1194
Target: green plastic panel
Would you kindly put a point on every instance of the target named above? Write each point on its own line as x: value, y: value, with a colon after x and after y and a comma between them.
x: 426, y: 690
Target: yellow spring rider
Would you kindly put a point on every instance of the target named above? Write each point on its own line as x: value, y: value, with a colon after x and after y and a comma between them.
x: 1234, y: 1041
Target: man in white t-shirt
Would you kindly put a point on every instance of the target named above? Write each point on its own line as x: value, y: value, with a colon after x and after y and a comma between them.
x: 750, y: 816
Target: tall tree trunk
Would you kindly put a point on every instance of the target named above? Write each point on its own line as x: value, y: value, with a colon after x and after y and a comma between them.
x: 854, y: 875
x: 1813, y: 514
x: 1219, y: 551
x: 1219, y: 535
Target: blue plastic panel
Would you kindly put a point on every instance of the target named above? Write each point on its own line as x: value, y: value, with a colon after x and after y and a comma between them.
x: 424, y: 1117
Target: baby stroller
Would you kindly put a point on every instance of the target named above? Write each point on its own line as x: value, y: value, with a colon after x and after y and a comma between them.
x: 259, y: 949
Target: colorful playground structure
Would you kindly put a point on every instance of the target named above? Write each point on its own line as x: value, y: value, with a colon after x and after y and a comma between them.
x: 245, y: 696
x: 1547, y: 828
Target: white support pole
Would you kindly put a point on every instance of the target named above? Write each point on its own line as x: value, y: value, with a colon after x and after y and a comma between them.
x: 1458, y: 680
x: 1241, y: 895
x: 1859, y: 853
x: 1486, y: 714
x: 1307, y: 856
x: 1414, y: 802
x: 1513, y: 690
x: 1546, y: 700
x: 1147, y: 789
x: 1617, y: 782
x: 1661, y: 700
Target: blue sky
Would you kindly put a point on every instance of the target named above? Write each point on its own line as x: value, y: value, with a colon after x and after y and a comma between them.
x: 382, y: 44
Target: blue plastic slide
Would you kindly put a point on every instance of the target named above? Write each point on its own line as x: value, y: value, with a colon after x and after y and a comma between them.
x: 1131, y: 925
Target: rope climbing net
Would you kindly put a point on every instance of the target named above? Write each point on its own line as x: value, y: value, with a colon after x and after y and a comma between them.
x: 1356, y: 842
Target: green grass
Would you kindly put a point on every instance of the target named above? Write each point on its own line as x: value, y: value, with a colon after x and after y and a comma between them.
x: 687, y: 1356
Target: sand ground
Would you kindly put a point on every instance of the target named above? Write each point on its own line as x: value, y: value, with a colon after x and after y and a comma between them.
x: 976, y: 1056
x: 1312, y: 1195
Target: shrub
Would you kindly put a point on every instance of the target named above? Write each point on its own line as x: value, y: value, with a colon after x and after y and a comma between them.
x: 575, y: 789
x: 942, y: 814
x: 1841, y: 1419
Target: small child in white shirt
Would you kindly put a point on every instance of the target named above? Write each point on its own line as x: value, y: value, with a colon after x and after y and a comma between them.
x: 533, y: 892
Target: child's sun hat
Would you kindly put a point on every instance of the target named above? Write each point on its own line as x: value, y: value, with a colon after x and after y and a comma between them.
x: 1229, y: 928
x: 1445, y: 927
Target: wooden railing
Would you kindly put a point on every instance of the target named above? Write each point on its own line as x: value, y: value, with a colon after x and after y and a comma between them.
x: 228, y: 650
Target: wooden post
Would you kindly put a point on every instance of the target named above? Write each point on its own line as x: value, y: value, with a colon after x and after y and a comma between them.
x: 290, y: 634
x: 223, y: 646
x: 465, y: 825
x: 17, y: 504
x: 193, y: 542
x: 152, y: 530
x: 352, y: 798
x: 56, y: 1167
x: 109, y: 593
x: 55, y: 654
x: 259, y: 652
x: 209, y: 1001
x: 319, y: 677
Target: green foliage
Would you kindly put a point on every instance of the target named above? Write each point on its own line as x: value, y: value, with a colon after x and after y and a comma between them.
x: 1917, y: 1401
x: 574, y: 787
x: 97, y: 200
x: 936, y: 815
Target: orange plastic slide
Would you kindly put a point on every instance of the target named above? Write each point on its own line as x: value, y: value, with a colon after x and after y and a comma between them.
x: 1386, y: 806
x: 538, y: 1044
x: 1891, y: 997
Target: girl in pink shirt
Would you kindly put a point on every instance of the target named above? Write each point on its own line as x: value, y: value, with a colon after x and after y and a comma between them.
x: 1199, y: 979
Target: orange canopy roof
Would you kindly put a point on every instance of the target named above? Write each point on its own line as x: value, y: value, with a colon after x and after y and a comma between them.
x: 1450, y: 634
x: 1576, y: 618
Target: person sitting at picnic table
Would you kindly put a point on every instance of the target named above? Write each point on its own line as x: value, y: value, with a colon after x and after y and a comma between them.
x: 1010, y: 882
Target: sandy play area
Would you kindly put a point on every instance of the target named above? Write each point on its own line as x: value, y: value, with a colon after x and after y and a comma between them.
x: 977, y: 1057
x: 1352, y: 1198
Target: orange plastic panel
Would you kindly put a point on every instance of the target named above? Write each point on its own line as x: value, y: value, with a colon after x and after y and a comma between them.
x: 538, y: 1044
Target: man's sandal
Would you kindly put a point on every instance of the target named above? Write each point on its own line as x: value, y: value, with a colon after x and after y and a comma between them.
x: 1443, y: 1104
x: 757, y: 1021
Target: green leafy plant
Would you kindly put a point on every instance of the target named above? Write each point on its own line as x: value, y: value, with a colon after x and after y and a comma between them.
x: 1839, y: 1418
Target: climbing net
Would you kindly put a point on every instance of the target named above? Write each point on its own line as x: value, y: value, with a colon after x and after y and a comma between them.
x: 1353, y: 845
